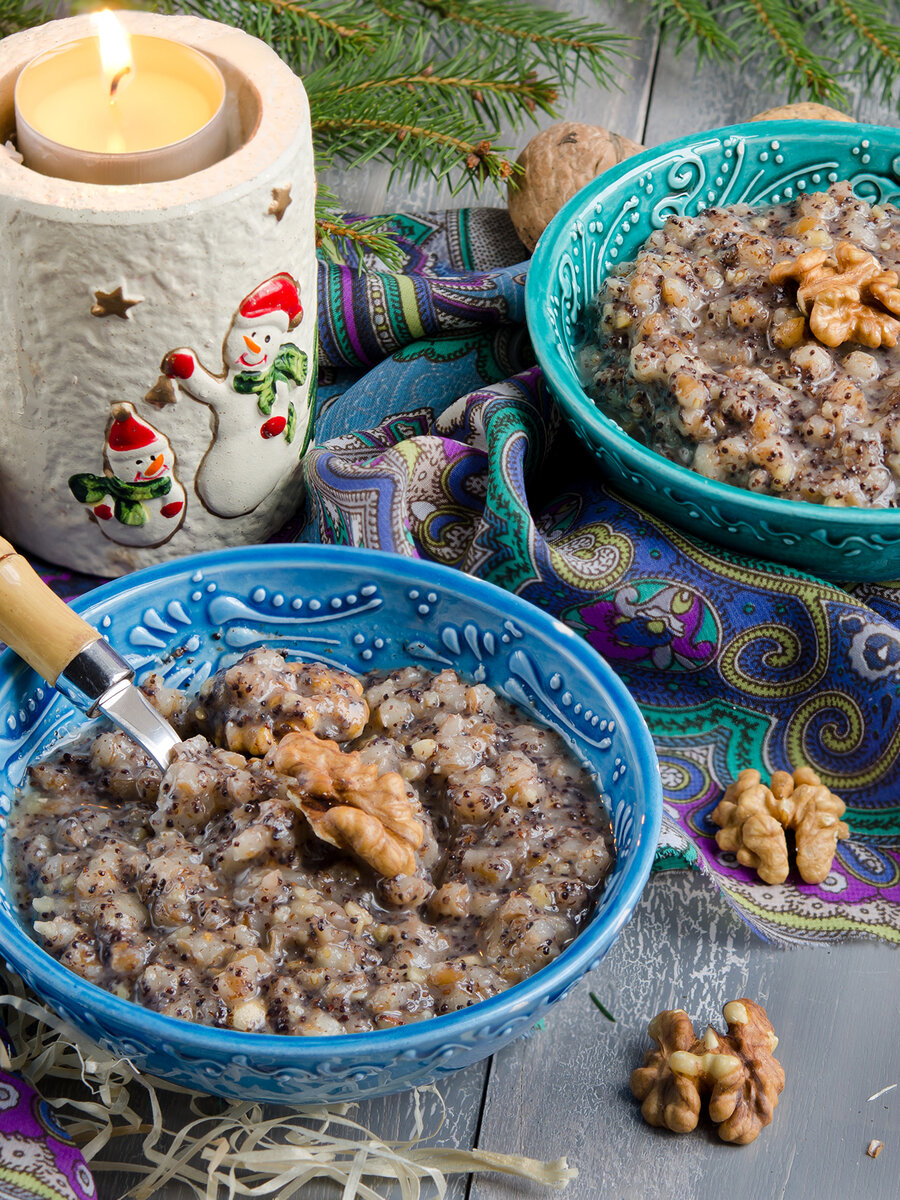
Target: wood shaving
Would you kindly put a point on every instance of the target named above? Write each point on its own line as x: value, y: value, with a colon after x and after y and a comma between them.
x: 890, y: 1087
x: 874, y: 1148
x: 235, y: 1151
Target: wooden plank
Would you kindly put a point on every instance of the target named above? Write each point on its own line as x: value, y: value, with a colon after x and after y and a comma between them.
x: 623, y: 110
x: 835, y: 1010
x: 565, y: 1090
x: 685, y: 98
x: 388, y: 1117
x: 368, y: 190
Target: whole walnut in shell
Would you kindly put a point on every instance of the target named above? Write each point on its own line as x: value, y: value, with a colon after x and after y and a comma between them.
x: 557, y: 163
x: 804, y: 111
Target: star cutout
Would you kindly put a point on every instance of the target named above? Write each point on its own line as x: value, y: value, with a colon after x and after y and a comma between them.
x: 281, y: 198
x: 162, y: 393
x: 112, y: 304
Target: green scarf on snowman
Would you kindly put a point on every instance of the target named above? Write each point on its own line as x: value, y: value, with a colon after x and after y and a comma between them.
x: 290, y: 366
x: 128, y: 497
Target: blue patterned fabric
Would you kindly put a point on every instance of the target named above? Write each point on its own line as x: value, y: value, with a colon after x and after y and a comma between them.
x: 437, y: 438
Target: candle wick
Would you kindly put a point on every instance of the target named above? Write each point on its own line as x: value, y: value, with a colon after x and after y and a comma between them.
x: 116, y: 80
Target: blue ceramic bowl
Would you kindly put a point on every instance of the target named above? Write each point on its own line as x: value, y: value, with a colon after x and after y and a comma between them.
x: 764, y: 162
x: 359, y: 610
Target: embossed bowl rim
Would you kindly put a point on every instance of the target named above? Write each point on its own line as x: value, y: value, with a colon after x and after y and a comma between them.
x: 285, y: 1050
x: 566, y: 384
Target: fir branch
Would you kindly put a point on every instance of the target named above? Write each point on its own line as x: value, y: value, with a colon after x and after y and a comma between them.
x: 441, y: 85
x: 865, y: 37
x: 532, y: 36
x: 303, y: 34
x: 477, y: 90
x: 783, y: 36
x: 330, y: 26
x: 692, y: 23
x: 773, y: 31
x: 436, y: 147
x: 16, y: 15
x: 421, y: 83
x: 418, y: 85
x: 344, y: 239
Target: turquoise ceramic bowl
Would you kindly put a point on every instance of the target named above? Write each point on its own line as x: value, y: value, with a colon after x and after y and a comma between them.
x: 360, y: 610
x: 764, y: 162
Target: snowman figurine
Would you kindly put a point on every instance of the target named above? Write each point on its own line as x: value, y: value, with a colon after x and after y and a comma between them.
x: 138, y: 501
x: 261, y: 420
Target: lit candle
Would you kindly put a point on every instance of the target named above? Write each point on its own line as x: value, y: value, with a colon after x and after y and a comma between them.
x: 120, y: 109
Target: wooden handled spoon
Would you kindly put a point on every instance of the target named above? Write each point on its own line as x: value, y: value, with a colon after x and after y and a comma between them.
x: 75, y: 658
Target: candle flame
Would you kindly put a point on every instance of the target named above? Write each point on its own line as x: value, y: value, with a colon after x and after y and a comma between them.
x: 115, y: 49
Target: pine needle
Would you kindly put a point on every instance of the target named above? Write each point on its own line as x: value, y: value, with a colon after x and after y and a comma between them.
x: 691, y: 23
x: 598, y: 1004
x: 423, y: 84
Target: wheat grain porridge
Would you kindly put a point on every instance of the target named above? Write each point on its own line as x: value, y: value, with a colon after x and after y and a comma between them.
x: 758, y: 346
x: 325, y: 854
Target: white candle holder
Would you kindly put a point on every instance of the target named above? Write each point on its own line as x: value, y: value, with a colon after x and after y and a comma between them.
x: 158, y: 340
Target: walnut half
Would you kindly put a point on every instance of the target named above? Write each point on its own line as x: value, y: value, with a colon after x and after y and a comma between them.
x: 738, y: 1072
x: 753, y: 819
x: 347, y: 803
x: 847, y: 298
x: 669, y: 1100
x: 750, y: 829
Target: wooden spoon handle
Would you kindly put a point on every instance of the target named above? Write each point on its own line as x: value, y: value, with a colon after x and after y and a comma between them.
x: 39, y: 626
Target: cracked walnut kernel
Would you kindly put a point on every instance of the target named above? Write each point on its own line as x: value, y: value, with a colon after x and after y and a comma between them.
x: 364, y: 835
x: 753, y: 819
x: 347, y: 803
x: 737, y: 1071
x: 846, y: 298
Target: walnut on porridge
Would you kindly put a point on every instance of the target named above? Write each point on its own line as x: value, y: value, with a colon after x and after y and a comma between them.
x: 759, y: 346
x: 324, y: 854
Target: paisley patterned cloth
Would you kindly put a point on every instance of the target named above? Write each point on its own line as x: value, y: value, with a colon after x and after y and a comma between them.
x: 37, y: 1157
x: 436, y: 437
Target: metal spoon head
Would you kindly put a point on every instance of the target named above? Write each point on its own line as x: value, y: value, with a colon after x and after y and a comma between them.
x: 128, y: 707
x: 98, y: 679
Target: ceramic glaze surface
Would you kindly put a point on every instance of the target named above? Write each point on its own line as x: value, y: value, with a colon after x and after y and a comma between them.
x: 103, y: 283
x: 361, y: 611
x: 761, y: 163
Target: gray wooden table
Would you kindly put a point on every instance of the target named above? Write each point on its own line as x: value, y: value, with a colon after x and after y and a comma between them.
x: 836, y: 1010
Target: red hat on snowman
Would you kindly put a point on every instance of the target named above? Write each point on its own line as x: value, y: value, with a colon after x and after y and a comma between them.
x: 129, y: 436
x: 275, y: 302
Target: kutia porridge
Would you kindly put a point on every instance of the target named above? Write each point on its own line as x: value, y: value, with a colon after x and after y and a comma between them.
x: 758, y: 346
x: 324, y: 854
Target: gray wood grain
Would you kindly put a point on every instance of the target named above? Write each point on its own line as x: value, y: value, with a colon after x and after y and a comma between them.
x: 622, y: 109
x: 686, y: 98
x: 835, y: 1011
